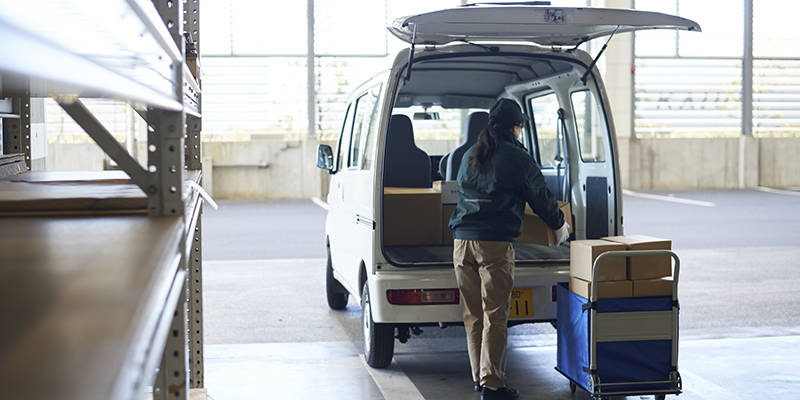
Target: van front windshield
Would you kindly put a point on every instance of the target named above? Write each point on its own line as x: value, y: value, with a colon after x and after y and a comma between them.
x: 437, y: 130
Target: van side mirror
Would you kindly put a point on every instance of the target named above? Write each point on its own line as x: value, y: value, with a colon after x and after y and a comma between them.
x: 325, y: 157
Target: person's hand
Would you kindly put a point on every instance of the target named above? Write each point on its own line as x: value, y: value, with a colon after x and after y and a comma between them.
x: 562, y: 234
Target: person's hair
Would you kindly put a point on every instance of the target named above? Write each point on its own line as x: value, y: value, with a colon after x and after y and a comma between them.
x: 487, y: 143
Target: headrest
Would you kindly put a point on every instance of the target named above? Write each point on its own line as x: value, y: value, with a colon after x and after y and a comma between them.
x: 475, y: 124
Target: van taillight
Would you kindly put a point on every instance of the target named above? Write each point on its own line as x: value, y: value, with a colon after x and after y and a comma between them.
x: 422, y: 296
x: 555, y: 293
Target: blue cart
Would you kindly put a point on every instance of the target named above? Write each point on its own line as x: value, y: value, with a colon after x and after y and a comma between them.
x: 620, y: 346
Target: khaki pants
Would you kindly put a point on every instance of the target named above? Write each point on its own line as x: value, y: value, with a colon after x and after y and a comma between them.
x: 485, y: 276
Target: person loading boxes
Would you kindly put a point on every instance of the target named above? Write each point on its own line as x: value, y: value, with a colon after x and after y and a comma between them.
x: 497, y: 177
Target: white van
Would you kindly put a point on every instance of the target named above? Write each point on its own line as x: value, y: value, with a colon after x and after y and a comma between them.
x: 460, y: 62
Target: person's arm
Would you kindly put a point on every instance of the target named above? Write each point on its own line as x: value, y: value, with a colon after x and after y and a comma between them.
x: 542, y: 201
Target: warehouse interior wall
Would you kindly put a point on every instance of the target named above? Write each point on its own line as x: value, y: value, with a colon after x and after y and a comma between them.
x: 279, y: 162
x: 237, y: 171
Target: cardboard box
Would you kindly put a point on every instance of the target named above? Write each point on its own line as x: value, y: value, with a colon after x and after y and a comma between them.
x: 652, y: 287
x: 194, y: 65
x: 605, y: 290
x: 535, y: 231
x: 449, y: 189
x: 412, y: 217
x: 584, y: 252
x: 447, y: 234
x: 649, y: 267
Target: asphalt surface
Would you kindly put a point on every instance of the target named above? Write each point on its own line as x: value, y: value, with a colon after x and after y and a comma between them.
x: 740, y: 257
x: 265, y: 310
x: 261, y: 230
x: 281, y: 229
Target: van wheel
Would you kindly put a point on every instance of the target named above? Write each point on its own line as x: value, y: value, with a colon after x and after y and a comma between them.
x: 378, y: 338
x: 337, y: 294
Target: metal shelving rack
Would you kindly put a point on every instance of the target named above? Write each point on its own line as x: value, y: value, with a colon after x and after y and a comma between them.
x: 132, y: 50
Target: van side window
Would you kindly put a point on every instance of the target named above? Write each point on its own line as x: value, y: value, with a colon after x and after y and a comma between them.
x: 545, y: 118
x: 591, y: 127
x: 344, y: 138
x: 365, y: 110
x: 369, y: 141
x: 355, y: 140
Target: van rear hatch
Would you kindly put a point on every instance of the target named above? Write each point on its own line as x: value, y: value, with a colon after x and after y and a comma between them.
x: 545, y: 25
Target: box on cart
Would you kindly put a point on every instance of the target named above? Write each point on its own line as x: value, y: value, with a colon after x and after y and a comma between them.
x: 646, y: 267
x: 583, y: 253
x: 605, y: 290
x: 652, y: 287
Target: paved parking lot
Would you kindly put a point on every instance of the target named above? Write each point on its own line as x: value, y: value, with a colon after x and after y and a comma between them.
x: 266, y: 319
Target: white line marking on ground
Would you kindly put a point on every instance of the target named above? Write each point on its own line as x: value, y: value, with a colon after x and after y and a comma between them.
x: 668, y: 198
x: 778, y: 191
x: 393, y: 382
x: 320, y: 203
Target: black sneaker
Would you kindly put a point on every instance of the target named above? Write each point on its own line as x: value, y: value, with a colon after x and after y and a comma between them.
x: 503, y: 393
x: 478, y: 386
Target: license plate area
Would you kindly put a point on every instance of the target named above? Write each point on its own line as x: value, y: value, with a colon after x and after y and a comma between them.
x: 521, y: 303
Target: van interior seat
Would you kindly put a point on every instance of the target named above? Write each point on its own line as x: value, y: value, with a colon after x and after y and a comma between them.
x: 404, y: 164
x: 472, y: 129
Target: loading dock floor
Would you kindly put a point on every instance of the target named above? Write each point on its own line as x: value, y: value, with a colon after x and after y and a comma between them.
x: 269, y: 333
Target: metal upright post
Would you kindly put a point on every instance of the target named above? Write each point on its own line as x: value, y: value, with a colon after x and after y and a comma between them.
x: 172, y: 381
x: 166, y: 140
x: 194, y: 161
x: 196, y: 308
x: 19, y: 129
x: 191, y: 23
x: 191, y: 11
x: 747, y: 70
x: 165, y: 163
x: 747, y: 89
x: 312, y: 79
x: 194, y: 151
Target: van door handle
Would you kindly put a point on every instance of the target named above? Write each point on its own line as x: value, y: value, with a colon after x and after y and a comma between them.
x: 365, y: 222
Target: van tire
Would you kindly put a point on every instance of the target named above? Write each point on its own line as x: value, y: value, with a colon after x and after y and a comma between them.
x: 378, y: 339
x: 337, y: 294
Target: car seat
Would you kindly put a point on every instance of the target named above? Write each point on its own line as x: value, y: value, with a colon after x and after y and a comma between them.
x: 472, y: 129
x: 404, y: 164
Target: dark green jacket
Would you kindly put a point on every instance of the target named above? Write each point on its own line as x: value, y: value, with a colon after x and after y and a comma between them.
x: 491, y: 204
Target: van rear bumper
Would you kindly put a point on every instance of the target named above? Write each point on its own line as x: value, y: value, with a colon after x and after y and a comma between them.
x: 540, y: 279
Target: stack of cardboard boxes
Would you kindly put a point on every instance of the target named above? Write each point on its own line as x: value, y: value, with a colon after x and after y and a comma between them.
x: 421, y: 217
x: 638, y: 276
x: 534, y: 229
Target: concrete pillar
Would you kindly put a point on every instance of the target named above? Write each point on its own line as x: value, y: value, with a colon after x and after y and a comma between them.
x: 618, y: 76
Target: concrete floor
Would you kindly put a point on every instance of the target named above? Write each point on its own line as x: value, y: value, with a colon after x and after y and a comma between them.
x: 269, y: 333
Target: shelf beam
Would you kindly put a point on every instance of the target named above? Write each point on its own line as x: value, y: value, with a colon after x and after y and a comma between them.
x: 40, y: 48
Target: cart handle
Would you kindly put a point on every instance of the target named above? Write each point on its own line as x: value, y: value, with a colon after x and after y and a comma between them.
x: 593, y: 311
x: 628, y: 253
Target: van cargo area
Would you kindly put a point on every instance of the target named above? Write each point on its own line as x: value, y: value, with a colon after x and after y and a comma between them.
x: 429, y: 255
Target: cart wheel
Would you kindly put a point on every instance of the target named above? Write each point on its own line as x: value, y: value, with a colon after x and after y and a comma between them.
x: 661, y: 396
x: 594, y: 385
x: 573, y: 387
x: 675, y: 377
